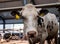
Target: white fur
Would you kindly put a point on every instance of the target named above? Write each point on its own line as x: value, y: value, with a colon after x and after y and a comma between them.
x: 30, y: 22
x: 48, y: 18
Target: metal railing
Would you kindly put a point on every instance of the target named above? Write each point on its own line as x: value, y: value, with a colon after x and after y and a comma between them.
x: 37, y: 6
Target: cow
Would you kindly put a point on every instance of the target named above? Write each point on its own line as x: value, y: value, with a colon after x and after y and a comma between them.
x: 51, y: 25
x: 30, y: 16
x: 32, y: 30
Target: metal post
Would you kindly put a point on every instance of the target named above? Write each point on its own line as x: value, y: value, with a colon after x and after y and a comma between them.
x: 3, y: 23
x: 25, y: 2
x: 4, y: 26
x: 33, y: 2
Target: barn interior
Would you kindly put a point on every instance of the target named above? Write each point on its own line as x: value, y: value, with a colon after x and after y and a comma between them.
x: 10, y: 26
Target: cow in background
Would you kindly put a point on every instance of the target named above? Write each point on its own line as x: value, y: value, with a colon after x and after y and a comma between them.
x: 51, y: 25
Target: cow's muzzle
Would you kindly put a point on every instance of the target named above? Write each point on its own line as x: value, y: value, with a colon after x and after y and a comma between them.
x: 31, y: 34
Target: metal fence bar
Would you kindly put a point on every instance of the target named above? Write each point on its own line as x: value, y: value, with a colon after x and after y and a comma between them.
x: 37, y: 6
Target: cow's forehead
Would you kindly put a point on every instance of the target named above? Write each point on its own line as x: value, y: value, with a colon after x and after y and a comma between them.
x: 29, y: 9
x: 27, y: 13
x: 29, y: 6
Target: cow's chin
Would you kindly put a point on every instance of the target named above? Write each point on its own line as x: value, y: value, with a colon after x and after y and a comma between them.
x: 30, y: 34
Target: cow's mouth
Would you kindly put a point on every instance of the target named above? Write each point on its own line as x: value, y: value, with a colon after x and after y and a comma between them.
x: 31, y: 34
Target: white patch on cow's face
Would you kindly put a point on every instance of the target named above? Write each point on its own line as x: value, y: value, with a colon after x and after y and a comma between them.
x: 30, y: 22
x: 29, y: 9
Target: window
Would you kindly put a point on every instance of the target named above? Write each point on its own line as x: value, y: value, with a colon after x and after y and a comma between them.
x: 8, y: 26
x: 14, y: 26
x: 18, y: 26
x: 1, y: 26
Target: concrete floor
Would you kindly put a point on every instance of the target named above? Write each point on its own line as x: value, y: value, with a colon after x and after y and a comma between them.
x: 21, y: 41
x: 18, y: 42
x: 14, y: 42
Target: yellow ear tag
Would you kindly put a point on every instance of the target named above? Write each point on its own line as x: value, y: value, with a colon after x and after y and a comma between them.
x: 42, y: 14
x: 17, y: 17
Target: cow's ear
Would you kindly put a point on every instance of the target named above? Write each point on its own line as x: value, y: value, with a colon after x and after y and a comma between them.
x: 40, y: 14
x: 43, y: 12
x: 16, y: 14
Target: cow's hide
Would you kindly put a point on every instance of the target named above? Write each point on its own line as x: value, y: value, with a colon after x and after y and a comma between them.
x: 51, y: 26
x: 50, y: 19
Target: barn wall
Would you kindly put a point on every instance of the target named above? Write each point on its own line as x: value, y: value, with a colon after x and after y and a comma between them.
x: 11, y: 4
x: 44, y: 1
x: 12, y: 21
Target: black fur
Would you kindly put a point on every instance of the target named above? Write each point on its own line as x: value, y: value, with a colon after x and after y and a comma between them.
x: 13, y: 13
x: 40, y: 20
x: 43, y: 11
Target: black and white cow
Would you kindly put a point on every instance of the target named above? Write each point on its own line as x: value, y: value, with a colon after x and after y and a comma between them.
x: 51, y: 25
x: 31, y: 27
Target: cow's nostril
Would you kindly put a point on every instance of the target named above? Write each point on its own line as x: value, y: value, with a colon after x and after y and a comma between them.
x: 31, y: 34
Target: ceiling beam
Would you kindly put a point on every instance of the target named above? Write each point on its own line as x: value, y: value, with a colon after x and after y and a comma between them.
x: 37, y: 6
x: 4, y: 1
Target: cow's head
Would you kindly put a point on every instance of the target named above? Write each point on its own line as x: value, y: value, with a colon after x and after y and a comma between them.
x: 30, y: 15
